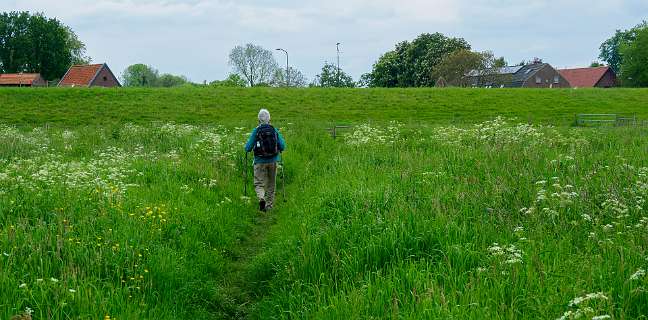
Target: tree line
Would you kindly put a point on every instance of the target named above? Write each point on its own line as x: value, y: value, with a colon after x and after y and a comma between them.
x: 35, y: 43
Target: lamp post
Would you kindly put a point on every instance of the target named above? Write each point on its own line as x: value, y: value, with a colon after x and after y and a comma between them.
x: 287, y: 71
x: 337, y: 46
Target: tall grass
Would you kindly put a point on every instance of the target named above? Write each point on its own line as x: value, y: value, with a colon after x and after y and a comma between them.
x: 496, y: 220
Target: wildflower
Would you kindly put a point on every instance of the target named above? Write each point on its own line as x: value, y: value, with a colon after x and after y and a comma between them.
x: 54, y: 280
x: 590, y: 296
x: 72, y: 290
x: 602, y: 317
x: 28, y: 311
x: 638, y: 274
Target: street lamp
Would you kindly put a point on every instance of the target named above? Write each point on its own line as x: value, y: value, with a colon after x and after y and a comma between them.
x: 337, y: 46
x: 287, y: 71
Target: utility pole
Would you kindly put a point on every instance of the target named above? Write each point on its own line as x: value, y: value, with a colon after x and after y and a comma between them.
x: 287, y: 70
x: 338, y: 63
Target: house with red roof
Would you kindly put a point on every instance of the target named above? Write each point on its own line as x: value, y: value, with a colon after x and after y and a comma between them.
x: 599, y: 77
x: 22, y: 80
x: 92, y: 75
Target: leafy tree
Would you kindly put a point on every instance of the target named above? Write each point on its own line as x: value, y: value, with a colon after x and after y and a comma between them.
x: 330, y: 77
x: 77, y: 48
x: 169, y: 80
x: 386, y: 71
x: 296, y: 79
x: 611, y: 48
x: 410, y: 64
x: 454, y: 67
x: 500, y: 63
x: 634, y: 66
x: 596, y: 64
x: 34, y: 43
x: 366, y: 80
x: 233, y: 80
x: 254, y: 63
x: 140, y: 75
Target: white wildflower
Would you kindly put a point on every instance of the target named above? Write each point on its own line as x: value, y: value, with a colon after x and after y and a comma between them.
x: 638, y: 274
x: 590, y: 296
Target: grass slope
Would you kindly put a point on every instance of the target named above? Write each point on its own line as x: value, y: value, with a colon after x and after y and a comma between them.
x: 79, y: 106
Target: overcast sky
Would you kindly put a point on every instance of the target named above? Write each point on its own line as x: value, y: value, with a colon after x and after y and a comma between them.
x: 194, y: 37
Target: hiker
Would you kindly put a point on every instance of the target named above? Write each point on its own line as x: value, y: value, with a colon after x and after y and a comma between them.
x: 267, y: 144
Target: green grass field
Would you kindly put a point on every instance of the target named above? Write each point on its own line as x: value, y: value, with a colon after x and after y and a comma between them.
x: 128, y: 204
x: 73, y: 107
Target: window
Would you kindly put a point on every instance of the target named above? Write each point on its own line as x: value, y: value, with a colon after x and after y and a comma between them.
x: 538, y: 80
x: 556, y: 79
x: 105, y: 78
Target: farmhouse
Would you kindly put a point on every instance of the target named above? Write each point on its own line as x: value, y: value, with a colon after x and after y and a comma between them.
x: 600, y: 77
x: 22, y: 80
x: 93, y: 75
x: 535, y: 75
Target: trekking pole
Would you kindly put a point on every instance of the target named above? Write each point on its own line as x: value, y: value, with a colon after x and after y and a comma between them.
x: 283, y: 180
x: 246, y: 174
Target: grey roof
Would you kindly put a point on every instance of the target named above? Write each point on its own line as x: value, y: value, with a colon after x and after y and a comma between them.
x: 512, y: 76
x: 503, y: 70
x: 524, y: 73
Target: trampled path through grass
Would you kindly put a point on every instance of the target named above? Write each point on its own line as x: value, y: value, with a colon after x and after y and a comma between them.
x: 239, y: 289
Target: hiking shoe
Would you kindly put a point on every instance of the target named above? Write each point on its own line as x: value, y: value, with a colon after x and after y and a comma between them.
x: 262, y: 206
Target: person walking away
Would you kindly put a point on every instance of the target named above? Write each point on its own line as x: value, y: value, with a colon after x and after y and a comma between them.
x: 267, y: 144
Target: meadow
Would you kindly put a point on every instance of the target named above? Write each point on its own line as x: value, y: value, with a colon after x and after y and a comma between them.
x: 129, y: 204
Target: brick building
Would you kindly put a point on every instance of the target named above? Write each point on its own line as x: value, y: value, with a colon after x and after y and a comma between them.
x: 599, y: 77
x: 534, y: 75
x: 22, y: 80
x: 93, y: 75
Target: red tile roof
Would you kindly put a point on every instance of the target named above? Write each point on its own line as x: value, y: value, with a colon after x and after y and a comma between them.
x: 80, y: 75
x: 584, y: 77
x: 18, y: 78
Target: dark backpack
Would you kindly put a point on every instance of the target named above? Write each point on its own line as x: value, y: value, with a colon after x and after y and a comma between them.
x: 266, y: 144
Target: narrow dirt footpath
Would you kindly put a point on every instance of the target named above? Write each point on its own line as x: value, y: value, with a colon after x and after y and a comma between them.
x: 236, y: 287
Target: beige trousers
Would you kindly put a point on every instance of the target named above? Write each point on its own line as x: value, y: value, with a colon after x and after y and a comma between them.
x: 264, y: 181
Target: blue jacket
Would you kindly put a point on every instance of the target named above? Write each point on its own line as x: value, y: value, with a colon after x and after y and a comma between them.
x: 249, y: 146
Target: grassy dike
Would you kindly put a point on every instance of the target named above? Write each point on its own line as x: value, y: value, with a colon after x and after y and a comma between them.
x: 129, y: 216
x: 72, y: 107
